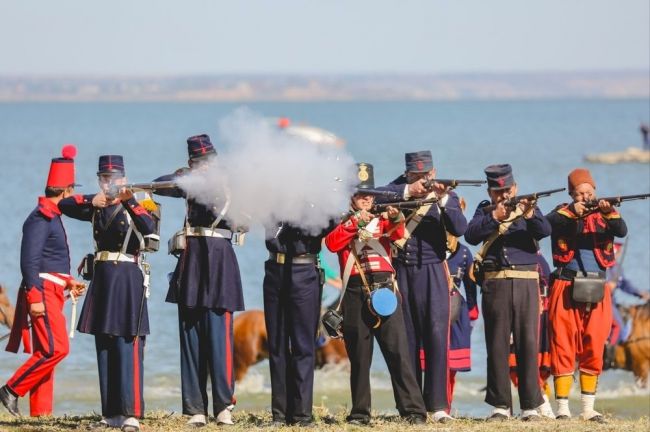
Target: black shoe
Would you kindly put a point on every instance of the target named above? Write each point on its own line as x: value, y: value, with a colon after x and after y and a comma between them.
x: 102, y: 424
x: 303, y: 423
x: 562, y: 417
x: 598, y: 419
x: 358, y: 421
x: 277, y: 423
x: 497, y: 417
x: 10, y: 401
x: 415, y: 419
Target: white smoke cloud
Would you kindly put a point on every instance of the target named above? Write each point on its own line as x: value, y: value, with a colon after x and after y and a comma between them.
x: 267, y: 176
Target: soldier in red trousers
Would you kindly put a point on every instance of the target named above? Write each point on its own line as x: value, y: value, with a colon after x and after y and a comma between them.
x: 45, y: 267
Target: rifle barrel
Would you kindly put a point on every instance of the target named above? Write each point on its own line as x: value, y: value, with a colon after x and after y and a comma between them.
x: 532, y: 196
x: 404, y: 204
x: 152, y: 186
x: 617, y: 200
x: 453, y: 183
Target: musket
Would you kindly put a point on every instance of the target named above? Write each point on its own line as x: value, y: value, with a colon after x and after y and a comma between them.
x: 615, y: 200
x: 411, y: 204
x: 378, y: 193
x: 453, y: 183
x: 512, y: 202
x: 379, y: 208
x: 114, y: 189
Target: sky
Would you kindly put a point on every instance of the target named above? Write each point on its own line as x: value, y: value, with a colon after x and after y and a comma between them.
x: 166, y: 37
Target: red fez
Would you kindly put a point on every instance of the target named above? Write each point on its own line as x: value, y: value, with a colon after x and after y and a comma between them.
x: 62, y: 169
x: 579, y: 176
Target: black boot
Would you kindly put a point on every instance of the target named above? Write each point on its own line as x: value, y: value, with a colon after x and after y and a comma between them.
x: 9, y: 400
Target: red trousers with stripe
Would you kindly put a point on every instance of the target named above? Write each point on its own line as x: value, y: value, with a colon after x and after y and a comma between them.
x: 577, y: 333
x: 50, y: 346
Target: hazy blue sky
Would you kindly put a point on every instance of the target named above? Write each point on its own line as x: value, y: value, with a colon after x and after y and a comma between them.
x: 165, y: 37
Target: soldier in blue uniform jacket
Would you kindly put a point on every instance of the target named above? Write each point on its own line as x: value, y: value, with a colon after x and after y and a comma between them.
x: 206, y: 286
x: 115, y: 310
x: 292, y: 291
x: 422, y: 277
x: 510, y: 292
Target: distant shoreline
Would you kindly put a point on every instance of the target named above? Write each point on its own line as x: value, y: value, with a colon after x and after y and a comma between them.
x: 329, y: 88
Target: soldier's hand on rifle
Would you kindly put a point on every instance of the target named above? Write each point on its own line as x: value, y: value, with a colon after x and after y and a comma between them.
x: 417, y: 189
x: 579, y: 208
x: 440, y: 189
x: 528, y: 207
x: 76, y: 288
x: 37, y: 309
x: 365, y: 216
x: 500, y: 212
x: 392, y: 212
x: 100, y: 200
x: 125, y: 194
x: 605, y: 206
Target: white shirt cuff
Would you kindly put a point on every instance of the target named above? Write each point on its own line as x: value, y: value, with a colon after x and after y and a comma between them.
x: 443, y: 201
x: 406, y: 193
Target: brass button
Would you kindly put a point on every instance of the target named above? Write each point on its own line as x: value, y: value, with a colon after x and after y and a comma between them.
x: 121, y: 222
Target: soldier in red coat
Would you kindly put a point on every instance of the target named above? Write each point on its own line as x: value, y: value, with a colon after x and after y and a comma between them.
x: 45, y: 268
x: 580, y: 310
x: 362, y: 243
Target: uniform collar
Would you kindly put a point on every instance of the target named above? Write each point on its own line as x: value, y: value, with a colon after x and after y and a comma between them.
x: 47, y: 207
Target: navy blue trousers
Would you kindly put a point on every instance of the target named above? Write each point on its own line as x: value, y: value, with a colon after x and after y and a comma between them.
x: 460, y: 358
x: 119, y: 360
x: 206, y: 338
x: 291, y: 310
x: 425, y: 293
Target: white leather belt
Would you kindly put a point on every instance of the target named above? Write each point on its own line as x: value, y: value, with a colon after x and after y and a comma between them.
x: 114, y: 256
x: 55, y: 278
x: 208, y: 232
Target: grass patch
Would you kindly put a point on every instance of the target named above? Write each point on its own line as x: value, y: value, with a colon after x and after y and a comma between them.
x: 247, y: 421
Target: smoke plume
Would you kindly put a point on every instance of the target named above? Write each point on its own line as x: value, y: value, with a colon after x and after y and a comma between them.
x: 265, y: 176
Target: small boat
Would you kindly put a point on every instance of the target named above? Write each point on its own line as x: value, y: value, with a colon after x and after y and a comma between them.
x: 630, y: 155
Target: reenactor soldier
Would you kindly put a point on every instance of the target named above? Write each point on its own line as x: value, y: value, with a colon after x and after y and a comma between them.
x: 115, y: 310
x: 206, y: 286
x: 580, y: 310
x: 370, y: 305
x: 45, y: 268
x: 544, y: 357
x: 459, y: 260
x: 509, y: 284
x: 423, y: 279
x: 293, y: 284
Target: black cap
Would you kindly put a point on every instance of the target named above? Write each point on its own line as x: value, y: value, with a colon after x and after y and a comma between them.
x: 199, y: 146
x: 111, y: 164
x: 419, y: 162
x: 499, y: 176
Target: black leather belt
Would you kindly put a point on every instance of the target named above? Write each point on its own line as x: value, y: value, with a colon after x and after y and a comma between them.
x: 281, y: 258
x: 374, y: 280
x: 568, y: 274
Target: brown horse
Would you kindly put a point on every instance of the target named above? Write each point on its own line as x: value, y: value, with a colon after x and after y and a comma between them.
x: 251, y: 344
x: 6, y: 310
x: 634, y: 353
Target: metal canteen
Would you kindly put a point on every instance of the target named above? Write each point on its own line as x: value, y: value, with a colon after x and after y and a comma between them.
x: 383, y: 301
